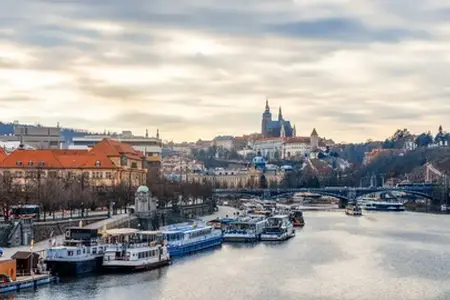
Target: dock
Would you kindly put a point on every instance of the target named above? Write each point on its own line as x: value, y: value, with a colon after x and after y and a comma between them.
x: 25, y: 282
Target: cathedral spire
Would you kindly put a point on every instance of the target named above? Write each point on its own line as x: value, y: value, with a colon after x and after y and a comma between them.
x: 280, y: 115
x: 157, y: 133
x: 267, y: 104
x: 294, y: 132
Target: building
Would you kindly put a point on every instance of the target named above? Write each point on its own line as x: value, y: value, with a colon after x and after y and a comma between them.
x: 289, y: 147
x: 108, y: 163
x: 276, y: 128
x: 224, y: 142
x: 150, y: 146
x: 39, y: 137
x: 10, y: 146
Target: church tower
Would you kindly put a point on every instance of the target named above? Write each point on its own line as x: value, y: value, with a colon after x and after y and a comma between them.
x: 266, y: 119
x: 280, y: 115
x: 314, y: 140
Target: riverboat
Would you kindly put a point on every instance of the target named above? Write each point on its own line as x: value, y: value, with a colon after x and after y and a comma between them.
x: 245, y: 229
x: 185, y: 238
x: 81, y: 253
x: 278, y: 228
x: 353, y: 210
x: 130, y: 250
x: 382, y: 206
x: 219, y: 223
x: 297, y: 218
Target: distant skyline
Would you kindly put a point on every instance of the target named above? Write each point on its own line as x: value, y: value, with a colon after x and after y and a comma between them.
x: 355, y: 70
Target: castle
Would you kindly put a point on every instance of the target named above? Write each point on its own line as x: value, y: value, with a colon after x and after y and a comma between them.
x: 276, y: 128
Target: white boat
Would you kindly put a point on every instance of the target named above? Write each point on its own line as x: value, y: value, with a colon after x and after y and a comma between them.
x: 278, y: 228
x: 353, y: 210
x: 132, y: 250
x: 245, y: 229
x: 81, y: 253
x: 382, y: 206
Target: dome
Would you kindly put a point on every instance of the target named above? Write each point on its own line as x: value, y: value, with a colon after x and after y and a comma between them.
x: 143, y: 189
x: 259, y: 160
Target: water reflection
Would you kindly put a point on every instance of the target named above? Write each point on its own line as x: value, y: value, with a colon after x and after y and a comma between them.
x: 382, y: 256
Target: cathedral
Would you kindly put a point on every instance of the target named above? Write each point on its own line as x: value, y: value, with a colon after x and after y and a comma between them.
x: 276, y: 128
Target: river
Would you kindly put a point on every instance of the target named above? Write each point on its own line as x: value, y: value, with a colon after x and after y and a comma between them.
x: 377, y: 256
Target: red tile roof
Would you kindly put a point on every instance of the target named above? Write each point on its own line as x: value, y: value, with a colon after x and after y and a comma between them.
x: 299, y: 139
x: 3, y: 154
x: 115, y: 149
x: 57, y: 159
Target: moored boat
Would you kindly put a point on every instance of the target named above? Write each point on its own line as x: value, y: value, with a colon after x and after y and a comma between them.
x: 132, y: 250
x: 185, y: 238
x: 245, y: 229
x: 297, y: 218
x: 278, y: 228
x: 382, y: 206
x: 81, y: 253
x: 353, y: 210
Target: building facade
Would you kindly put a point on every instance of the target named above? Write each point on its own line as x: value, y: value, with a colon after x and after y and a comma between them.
x: 39, y: 137
x: 106, y: 164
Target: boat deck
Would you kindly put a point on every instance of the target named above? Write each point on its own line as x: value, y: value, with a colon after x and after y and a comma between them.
x: 24, y: 282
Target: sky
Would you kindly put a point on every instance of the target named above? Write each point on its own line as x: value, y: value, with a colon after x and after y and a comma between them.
x: 353, y: 69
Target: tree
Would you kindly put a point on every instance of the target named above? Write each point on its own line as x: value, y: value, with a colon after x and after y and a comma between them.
x: 263, y: 182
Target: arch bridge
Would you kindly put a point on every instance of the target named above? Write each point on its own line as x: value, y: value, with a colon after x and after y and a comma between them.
x: 344, y: 194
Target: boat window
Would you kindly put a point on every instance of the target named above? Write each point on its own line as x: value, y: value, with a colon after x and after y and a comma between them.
x: 94, y: 250
x: 78, y: 252
x: 70, y: 253
x: 84, y: 251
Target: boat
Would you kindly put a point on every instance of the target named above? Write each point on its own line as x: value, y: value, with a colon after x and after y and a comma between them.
x: 186, y: 238
x: 132, y: 250
x: 297, y: 218
x: 382, y: 206
x: 353, y: 210
x: 245, y: 229
x: 278, y: 228
x: 219, y: 223
x: 81, y: 253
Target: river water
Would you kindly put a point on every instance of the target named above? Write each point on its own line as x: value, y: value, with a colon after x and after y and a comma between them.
x: 377, y: 256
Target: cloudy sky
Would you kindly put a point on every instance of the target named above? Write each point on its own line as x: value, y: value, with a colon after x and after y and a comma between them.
x: 354, y: 69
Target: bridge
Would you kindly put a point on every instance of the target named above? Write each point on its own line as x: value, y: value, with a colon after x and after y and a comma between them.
x: 344, y: 194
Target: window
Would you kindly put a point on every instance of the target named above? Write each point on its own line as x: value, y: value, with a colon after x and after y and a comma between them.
x: 134, y: 165
x: 18, y: 174
x: 7, y: 173
x: 108, y: 175
x: 30, y: 163
x: 78, y: 252
x: 19, y: 163
x: 97, y: 164
x: 52, y: 174
x: 70, y: 253
x: 41, y: 163
x: 94, y: 250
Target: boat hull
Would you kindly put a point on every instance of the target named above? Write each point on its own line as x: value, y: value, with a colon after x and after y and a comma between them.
x: 187, y: 248
x: 124, y: 268
x: 387, y: 208
x: 64, y: 268
x: 241, y: 238
x: 276, y: 237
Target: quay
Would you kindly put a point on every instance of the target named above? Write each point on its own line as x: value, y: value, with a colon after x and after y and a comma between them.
x: 25, y: 282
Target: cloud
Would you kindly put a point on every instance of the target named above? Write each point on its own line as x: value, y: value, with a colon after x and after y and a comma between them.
x: 354, y: 70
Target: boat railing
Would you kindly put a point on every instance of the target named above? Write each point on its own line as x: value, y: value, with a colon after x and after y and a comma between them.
x: 196, y: 239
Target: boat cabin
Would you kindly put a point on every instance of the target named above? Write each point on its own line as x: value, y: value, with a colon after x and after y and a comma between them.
x: 247, y: 225
x: 131, y: 244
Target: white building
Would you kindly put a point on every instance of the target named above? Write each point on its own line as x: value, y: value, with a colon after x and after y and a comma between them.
x: 296, y: 147
x: 150, y: 146
x: 224, y: 142
x: 269, y: 147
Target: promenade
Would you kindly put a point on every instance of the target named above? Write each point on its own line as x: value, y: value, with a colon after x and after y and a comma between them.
x: 41, y: 246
